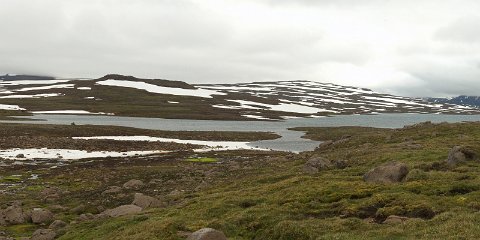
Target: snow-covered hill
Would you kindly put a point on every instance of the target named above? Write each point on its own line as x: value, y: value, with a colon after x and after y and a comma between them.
x: 317, y: 98
x: 129, y: 96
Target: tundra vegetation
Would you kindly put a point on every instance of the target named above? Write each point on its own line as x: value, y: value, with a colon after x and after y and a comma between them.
x: 360, y: 183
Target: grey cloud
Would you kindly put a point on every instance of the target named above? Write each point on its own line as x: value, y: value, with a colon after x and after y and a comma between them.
x: 210, y: 41
x: 464, y: 30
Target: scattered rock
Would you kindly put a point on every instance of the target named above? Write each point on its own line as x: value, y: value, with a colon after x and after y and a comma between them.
x: 391, y: 172
x: 43, y: 234
x: 145, y: 201
x: 123, y: 210
x: 316, y: 164
x: 113, y: 190
x: 460, y: 154
x: 393, y: 219
x: 207, y: 234
x: 133, y: 184
x: 57, y: 225
x: 41, y: 216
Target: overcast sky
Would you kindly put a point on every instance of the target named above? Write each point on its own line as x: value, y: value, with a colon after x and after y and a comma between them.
x: 407, y: 47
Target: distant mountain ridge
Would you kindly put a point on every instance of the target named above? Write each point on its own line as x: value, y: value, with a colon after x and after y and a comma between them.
x: 473, y: 101
x: 8, y: 77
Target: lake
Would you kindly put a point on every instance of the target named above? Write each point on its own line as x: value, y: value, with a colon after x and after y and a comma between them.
x: 290, y: 140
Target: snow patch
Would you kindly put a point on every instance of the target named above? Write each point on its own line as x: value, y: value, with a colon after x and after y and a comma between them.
x: 31, y: 82
x: 45, y: 87
x: 33, y: 96
x: 71, y: 112
x: 162, y: 90
x: 256, y: 117
x: 208, y: 145
x: 66, y: 154
x: 10, y: 107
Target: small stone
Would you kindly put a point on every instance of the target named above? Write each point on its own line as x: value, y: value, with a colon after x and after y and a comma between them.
x: 207, y: 234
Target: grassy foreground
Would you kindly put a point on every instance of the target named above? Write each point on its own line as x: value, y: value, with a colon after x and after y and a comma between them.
x: 275, y: 199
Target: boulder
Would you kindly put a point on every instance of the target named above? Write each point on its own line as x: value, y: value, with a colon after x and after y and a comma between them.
x: 207, y: 234
x: 14, y: 215
x: 145, y: 201
x: 41, y: 216
x: 460, y: 154
x: 316, y: 164
x: 393, y: 219
x: 133, y: 184
x: 123, y: 210
x: 57, y: 225
x: 391, y: 172
x: 43, y: 234
x: 21, y: 155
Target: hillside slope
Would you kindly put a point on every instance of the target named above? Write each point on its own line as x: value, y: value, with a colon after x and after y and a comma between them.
x: 130, y: 96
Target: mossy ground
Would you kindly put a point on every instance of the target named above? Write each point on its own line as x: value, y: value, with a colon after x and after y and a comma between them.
x: 202, y: 160
x: 262, y: 195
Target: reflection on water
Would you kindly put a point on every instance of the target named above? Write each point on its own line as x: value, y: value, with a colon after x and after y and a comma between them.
x: 290, y: 140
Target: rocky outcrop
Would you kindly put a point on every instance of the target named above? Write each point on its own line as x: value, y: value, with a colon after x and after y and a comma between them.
x: 207, y: 234
x: 317, y: 164
x: 133, y: 184
x: 391, y: 172
x: 145, y: 201
x: 460, y: 154
x: 43, y: 234
x: 123, y: 210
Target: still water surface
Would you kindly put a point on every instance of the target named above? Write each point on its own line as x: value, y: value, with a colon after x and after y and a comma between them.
x: 290, y: 140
